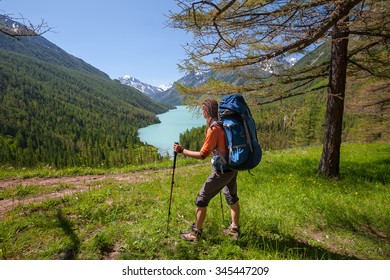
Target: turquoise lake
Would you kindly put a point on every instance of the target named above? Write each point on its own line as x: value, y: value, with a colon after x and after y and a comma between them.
x: 173, y: 122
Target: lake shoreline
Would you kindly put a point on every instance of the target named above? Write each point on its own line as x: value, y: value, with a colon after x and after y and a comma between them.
x: 162, y: 135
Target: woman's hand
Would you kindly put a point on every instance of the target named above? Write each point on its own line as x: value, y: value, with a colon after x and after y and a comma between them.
x: 177, y: 148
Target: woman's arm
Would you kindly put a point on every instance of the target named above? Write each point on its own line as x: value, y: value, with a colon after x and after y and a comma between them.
x: 179, y: 149
x: 192, y: 154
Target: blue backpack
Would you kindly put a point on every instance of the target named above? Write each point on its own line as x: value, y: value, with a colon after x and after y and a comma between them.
x: 244, y: 150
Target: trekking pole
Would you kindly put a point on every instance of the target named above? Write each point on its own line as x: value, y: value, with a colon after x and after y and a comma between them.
x: 223, y: 218
x: 173, y: 178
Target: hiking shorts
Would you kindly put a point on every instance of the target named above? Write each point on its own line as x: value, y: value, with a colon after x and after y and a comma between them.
x: 214, y: 184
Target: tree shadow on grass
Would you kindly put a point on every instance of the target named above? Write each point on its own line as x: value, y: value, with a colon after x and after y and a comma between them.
x: 374, y: 171
x: 289, y: 248
x: 71, y: 252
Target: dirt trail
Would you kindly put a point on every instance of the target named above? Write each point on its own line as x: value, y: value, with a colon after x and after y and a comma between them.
x: 76, y: 183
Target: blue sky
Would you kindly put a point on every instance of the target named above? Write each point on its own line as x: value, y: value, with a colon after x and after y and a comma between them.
x: 118, y: 37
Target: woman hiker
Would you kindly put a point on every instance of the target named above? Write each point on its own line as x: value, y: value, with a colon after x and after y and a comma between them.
x: 227, y: 180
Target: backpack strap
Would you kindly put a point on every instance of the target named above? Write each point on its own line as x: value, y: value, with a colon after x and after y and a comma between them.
x: 222, y: 159
x: 248, y: 135
x: 215, y: 123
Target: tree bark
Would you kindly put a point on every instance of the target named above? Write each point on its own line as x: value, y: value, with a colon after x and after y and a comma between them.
x: 330, y: 158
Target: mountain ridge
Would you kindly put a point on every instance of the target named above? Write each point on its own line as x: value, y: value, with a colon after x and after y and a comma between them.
x: 149, y: 90
x: 199, y: 78
x: 42, y: 49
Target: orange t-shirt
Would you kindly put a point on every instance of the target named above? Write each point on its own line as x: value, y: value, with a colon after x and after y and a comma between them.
x: 215, y: 138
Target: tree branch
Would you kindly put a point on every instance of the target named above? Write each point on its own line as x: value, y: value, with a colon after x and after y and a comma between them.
x: 291, y: 95
x: 361, y: 66
x: 21, y: 30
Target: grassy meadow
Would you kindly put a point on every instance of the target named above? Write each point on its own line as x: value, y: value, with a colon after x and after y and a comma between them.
x: 288, y: 211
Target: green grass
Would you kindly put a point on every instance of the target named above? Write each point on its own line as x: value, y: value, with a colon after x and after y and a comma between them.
x: 288, y: 211
x: 21, y: 191
x: 7, y: 172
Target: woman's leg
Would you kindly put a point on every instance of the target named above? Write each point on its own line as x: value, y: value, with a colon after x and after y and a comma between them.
x: 235, y: 213
x: 200, y: 216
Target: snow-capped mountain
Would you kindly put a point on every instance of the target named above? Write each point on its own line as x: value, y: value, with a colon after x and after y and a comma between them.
x: 147, y: 89
x: 165, y: 86
x: 292, y: 61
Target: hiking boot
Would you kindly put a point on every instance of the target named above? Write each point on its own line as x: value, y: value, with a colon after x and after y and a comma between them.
x: 233, y: 231
x: 193, y: 235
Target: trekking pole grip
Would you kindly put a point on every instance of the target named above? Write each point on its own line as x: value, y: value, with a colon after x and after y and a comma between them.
x: 174, y: 156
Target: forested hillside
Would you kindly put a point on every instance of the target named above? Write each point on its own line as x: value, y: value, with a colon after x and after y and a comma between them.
x: 44, y: 50
x: 60, y: 111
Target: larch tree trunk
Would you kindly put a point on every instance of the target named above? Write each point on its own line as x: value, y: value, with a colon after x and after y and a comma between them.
x: 330, y: 158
